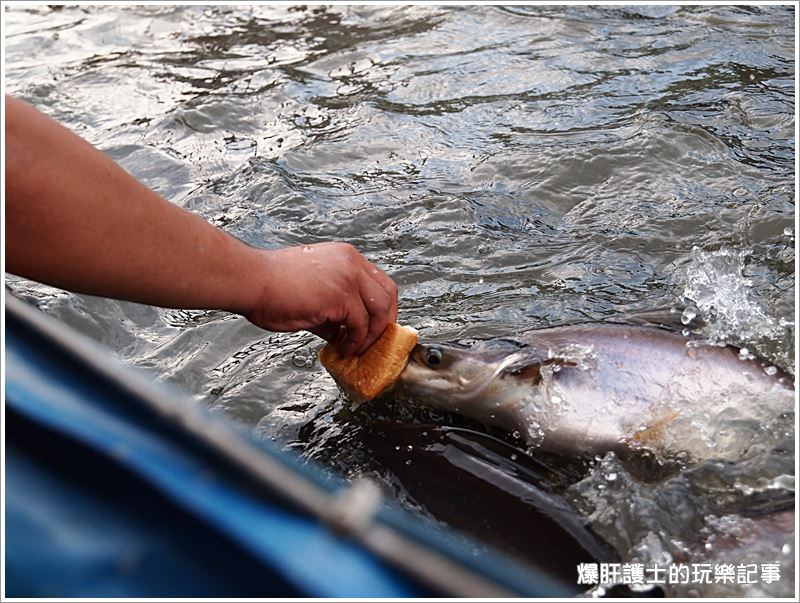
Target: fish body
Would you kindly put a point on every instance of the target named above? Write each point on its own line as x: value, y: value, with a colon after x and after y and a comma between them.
x: 589, y: 389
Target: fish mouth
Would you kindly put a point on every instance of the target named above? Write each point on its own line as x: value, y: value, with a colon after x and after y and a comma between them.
x: 467, y: 379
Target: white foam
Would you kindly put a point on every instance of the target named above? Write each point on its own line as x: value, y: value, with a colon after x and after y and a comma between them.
x: 716, y: 288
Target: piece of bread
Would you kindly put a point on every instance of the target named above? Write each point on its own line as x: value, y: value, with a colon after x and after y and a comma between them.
x: 364, y: 377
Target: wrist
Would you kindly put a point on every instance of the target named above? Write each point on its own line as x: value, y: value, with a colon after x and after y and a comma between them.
x: 247, y: 282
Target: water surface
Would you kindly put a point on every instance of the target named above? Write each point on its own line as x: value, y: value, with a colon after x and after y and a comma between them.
x: 511, y: 168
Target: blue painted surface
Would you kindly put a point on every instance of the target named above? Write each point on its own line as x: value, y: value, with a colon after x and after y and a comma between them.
x: 62, y: 544
x: 305, y: 551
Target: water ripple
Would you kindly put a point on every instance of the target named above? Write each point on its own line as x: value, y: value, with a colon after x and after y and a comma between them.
x: 510, y: 167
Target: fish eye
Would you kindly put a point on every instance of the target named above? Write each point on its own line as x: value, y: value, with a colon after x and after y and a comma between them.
x: 433, y: 357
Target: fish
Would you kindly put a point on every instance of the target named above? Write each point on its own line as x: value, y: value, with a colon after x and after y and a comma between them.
x: 491, y: 491
x: 589, y: 389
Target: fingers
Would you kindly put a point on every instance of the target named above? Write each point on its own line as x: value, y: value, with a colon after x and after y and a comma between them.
x: 379, y: 307
x: 365, y: 302
x: 370, y: 310
x: 388, y: 285
x: 357, y: 322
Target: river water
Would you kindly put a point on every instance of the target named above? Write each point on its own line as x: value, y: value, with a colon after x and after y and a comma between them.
x: 511, y: 168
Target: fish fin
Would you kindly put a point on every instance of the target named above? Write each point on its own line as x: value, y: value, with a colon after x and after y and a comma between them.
x: 531, y: 368
x: 531, y: 371
x: 653, y: 432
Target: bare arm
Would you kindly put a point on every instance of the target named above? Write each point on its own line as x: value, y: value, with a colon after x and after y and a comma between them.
x: 76, y: 220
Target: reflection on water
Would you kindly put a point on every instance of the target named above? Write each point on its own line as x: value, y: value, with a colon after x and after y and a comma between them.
x: 511, y: 168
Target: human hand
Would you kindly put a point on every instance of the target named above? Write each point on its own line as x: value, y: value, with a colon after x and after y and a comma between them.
x: 329, y: 289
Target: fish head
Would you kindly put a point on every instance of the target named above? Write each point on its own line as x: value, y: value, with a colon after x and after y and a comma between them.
x: 459, y: 379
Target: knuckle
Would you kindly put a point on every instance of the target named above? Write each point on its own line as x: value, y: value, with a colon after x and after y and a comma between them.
x: 347, y: 250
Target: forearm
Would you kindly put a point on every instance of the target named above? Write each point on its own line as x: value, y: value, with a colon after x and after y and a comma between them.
x: 76, y: 220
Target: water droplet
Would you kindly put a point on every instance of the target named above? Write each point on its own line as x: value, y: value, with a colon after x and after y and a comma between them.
x: 408, y: 462
x: 397, y: 447
x: 424, y: 434
x: 409, y: 448
x: 688, y: 315
x: 770, y: 370
x: 515, y: 434
x: 513, y: 456
x: 480, y: 281
x: 708, y: 546
x: 786, y: 549
x: 611, y: 477
x: 300, y: 359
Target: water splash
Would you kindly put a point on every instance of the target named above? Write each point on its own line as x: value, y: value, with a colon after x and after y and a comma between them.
x: 716, y: 288
x: 713, y: 513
